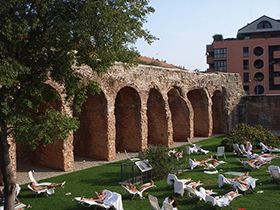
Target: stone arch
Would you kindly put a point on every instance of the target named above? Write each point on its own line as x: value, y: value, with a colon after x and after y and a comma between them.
x: 219, y: 114
x: 157, y: 119
x: 50, y: 155
x: 200, y: 105
x: 180, y: 115
x: 91, y: 139
x: 128, y: 120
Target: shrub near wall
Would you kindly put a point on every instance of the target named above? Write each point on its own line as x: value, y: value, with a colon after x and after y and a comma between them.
x: 162, y: 164
x: 253, y: 134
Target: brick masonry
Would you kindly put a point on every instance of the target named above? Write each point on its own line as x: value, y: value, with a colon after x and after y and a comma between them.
x: 142, y: 105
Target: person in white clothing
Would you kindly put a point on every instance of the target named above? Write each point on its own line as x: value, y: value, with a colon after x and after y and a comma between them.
x: 170, y: 199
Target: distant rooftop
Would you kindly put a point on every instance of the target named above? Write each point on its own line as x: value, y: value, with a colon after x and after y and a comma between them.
x: 156, y: 62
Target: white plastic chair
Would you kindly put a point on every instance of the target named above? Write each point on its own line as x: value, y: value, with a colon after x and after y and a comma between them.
x: 220, y: 152
x: 154, y: 202
x: 236, y: 149
x: 274, y: 172
x: 167, y: 206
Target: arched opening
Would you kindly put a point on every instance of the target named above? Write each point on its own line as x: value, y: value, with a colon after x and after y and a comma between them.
x: 200, y: 104
x: 50, y: 155
x: 219, y: 114
x: 157, y: 119
x: 128, y: 120
x: 180, y: 115
x: 91, y: 139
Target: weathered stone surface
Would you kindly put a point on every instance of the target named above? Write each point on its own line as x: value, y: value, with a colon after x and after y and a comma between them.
x: 261, y: 110
x: 142, y: 105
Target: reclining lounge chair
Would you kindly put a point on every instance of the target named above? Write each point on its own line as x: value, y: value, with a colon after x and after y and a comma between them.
x: 47, y: 191
x: 140, y: 193
x: 112, y: 199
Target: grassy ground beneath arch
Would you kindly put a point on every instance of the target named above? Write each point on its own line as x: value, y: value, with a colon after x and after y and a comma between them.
x: 87, y: 181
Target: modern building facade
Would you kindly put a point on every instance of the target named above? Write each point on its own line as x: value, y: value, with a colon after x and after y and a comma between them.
x: 254, y: 54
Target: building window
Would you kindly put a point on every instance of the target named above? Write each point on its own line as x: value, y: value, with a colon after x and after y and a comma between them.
x: 259, y: 76
x: 258, y: 51
x: 264, y: 24
x: 247, y: 89
x: 220, y: 65
x: 245, y: 64
x: 259, y: 89
x: 246, y: 77
x: 245, y: 51
x: 258, y: 64
x: 220, y: 53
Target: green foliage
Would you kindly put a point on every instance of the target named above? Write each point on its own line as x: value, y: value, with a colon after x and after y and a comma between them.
x: 218, y: 37
x: 254, y: 134
x: 41, y: 40
x: 161, y: 162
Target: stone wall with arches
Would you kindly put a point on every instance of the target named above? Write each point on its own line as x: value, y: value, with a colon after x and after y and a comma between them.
x: 142, y: 105
x: 153, y: 105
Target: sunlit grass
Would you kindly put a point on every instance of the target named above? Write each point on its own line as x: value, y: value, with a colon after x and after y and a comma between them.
x: 87, y: 181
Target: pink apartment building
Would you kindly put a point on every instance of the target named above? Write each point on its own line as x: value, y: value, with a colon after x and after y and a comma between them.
x: 254, y: 54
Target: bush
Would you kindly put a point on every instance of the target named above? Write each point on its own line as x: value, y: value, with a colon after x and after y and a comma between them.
x: 255, y: 135
x: 162, y: 164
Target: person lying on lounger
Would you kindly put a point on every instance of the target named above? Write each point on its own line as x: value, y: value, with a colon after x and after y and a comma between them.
x: 179, y: 154
x: 133, y: 188
x: 214, y: 162
x: 39, y: 188
x: 237, y: 178
x: 24, y: 207
x: 98, y: 198
x: 271, y: 147
x: 257, y: 162
x: 202, y: 162
x: 195, y: 184
x: 231, y: 194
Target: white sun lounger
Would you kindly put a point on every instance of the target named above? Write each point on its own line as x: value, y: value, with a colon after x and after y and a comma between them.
x: 112, y: 199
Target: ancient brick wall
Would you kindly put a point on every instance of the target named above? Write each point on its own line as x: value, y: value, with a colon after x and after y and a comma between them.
x: 144, y: 105
x: 261, y: 110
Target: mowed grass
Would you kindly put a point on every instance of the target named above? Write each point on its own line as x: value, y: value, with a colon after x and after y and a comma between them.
x: 87, y: 181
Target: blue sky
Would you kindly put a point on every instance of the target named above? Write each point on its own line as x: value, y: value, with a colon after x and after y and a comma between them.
x: 185, y: 27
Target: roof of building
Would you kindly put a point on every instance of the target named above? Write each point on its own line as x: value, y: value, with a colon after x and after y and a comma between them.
x: 157, y: 62
x: 253, y: 27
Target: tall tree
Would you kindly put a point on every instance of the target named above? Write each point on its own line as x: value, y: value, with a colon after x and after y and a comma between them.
x: 39, y: 41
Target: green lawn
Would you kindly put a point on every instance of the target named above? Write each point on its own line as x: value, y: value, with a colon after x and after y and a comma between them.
x: 87, y: 181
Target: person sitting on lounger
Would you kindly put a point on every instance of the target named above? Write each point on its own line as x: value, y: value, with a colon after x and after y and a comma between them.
x: 170, y: 199
x: 249, y: 146
x: 133, y: 188
x: 98, y: 198
x: 39, y: 188
x: 175, y: 205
